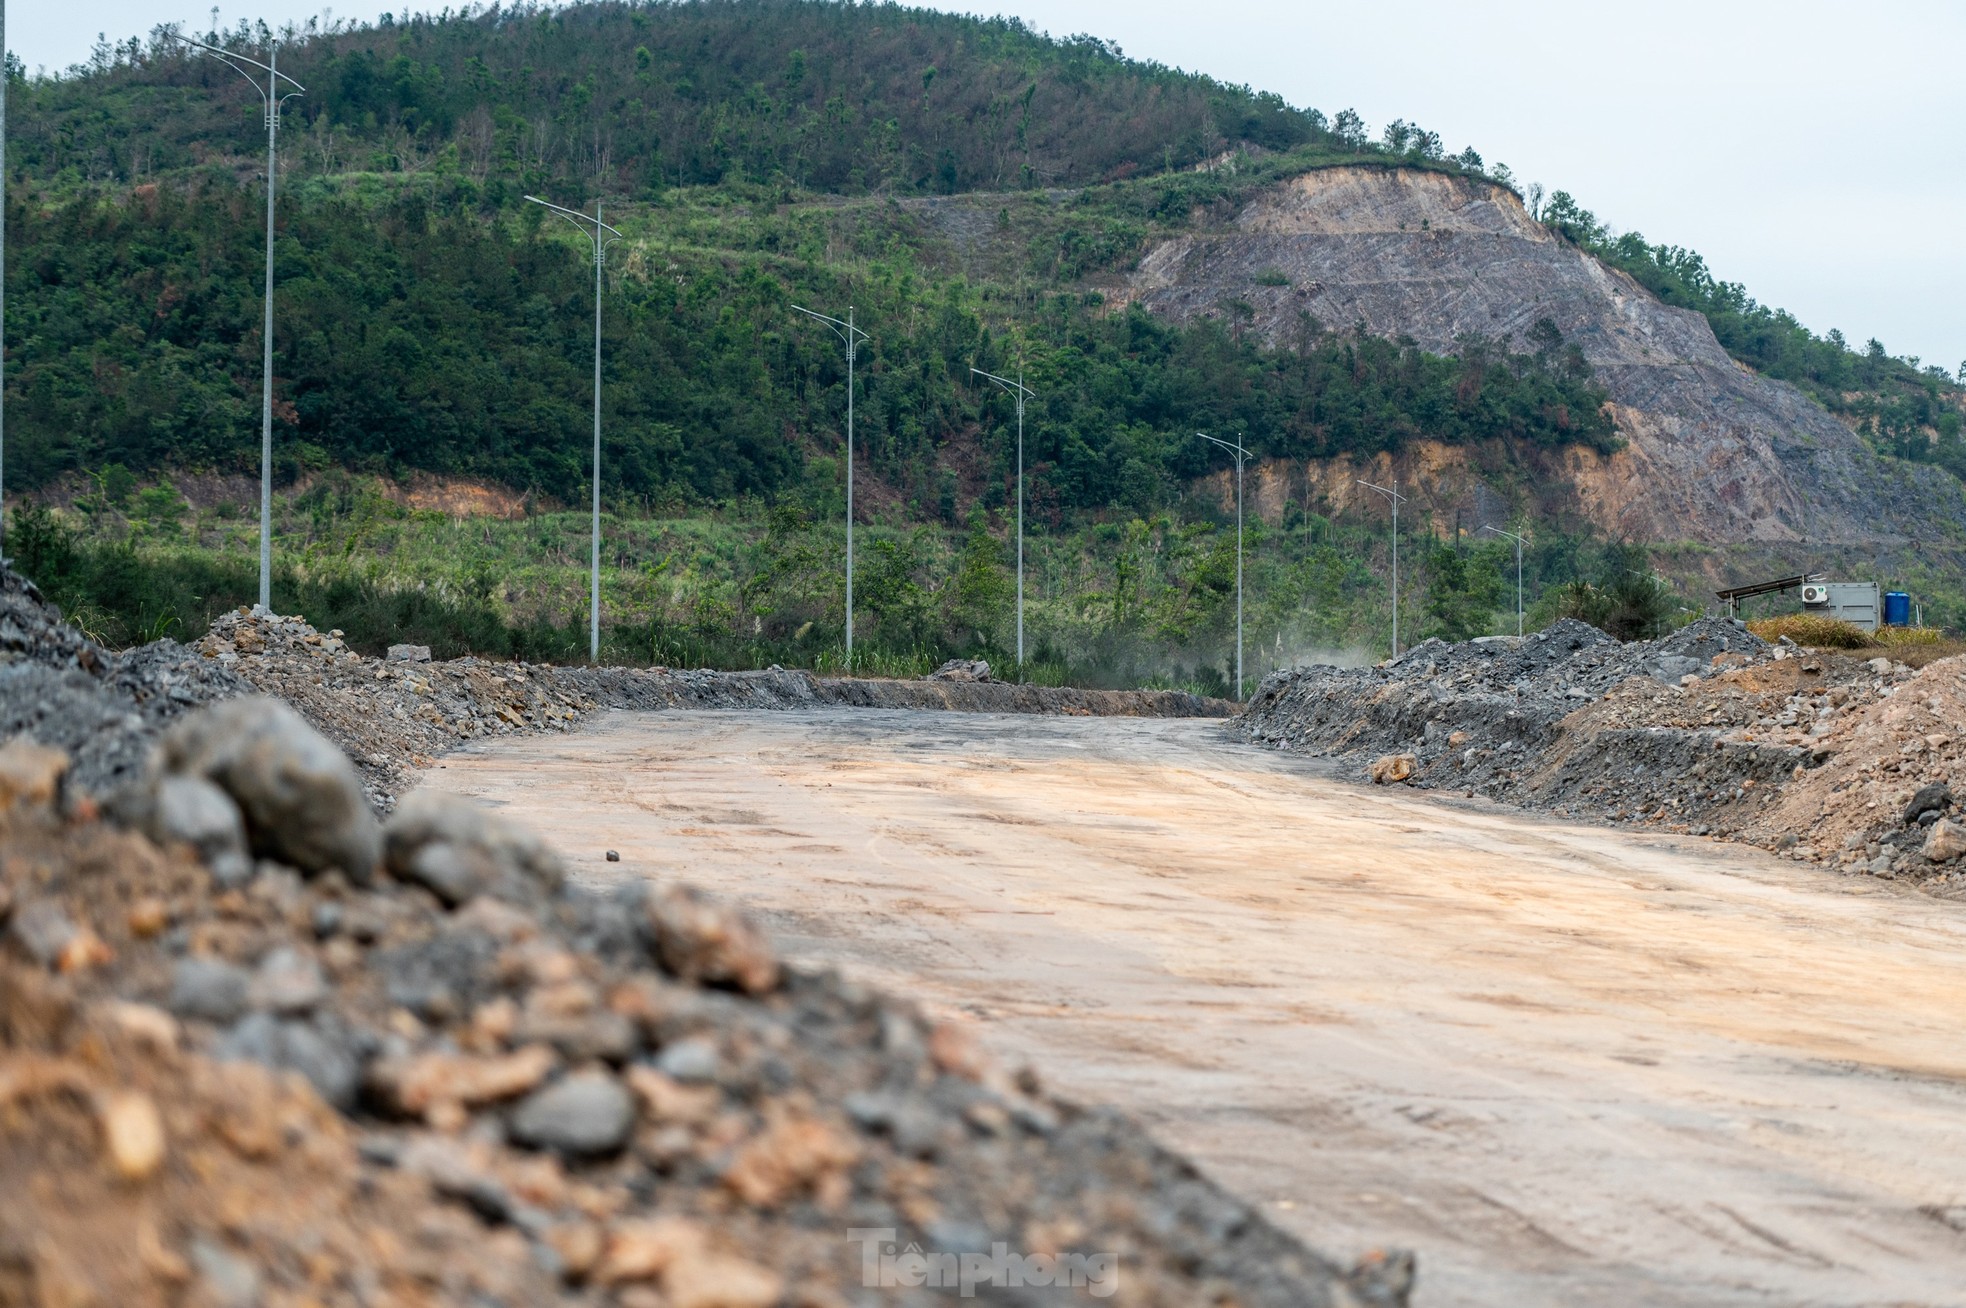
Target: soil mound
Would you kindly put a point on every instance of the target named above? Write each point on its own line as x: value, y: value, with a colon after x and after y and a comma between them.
x: 393, y: 717
x: 1710, y: 731
x: 257, y: 1047
x: 102, y: 708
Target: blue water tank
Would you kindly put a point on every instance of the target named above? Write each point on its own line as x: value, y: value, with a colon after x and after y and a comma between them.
x: 1897, y: 609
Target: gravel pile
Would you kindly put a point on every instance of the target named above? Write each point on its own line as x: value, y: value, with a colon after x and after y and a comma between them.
x: 268, y: 1050
x: 1888, y: 802
x: 1708, y: 732
x: 394, y: 716
x: 104, y: 709
x: 1476, y: 716
x: 259, y: 1047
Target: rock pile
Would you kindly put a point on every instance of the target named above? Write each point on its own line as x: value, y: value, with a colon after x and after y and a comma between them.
x: 274, y: 1053
x: 1888, y: 799
x: 394, y: 715
x: 962, y: 670
x: 1710, y: 732
x: 102, y: 708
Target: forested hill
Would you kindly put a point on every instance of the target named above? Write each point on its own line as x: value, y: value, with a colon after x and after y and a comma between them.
x: 971, y: 186
x: 829, y: 97
x: 756, y: 153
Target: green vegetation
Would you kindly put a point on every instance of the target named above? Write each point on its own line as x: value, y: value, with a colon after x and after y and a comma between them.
x: 848, y: 99
x: 421, y: 333
x: 1906, y: 411
x: 974, y: 190
x: 1130, y: 600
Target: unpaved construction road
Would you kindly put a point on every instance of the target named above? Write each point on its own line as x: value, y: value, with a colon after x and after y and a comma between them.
x: 1565, y: 1065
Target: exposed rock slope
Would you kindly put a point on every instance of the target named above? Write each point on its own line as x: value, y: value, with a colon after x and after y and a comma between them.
x: 1716, y: 453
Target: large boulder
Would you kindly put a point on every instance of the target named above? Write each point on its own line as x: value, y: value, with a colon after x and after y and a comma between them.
x: 299, y: 795
x: 458, y: 851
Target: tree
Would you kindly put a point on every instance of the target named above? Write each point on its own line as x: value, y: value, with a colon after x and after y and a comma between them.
x: 982, y: 594
x: 1469, y: 159
x: 1461, y: 599
x: 1579, y: 224
x: 1349, y: 128
x: 1535, y: 198
x: 1397, y: 136
x: 1626, y: 599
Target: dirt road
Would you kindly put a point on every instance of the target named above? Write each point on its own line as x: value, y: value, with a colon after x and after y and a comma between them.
x: 1567, y: 1066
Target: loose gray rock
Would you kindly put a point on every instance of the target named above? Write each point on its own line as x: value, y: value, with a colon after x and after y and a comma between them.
x: 288, y: 982
x: 326, y: 1060
x: 451, y: 872
x: 457, y: 850
x: 198, y: 813
x: 300, y: 796
x: 225, y: 1279
x: 43, y: 930
x: 209, y: 989
x: 409, y: 654
x: 693, y: 1061
x: 1932, y: 798
x: 970, y: 670
x: 587, y: 1114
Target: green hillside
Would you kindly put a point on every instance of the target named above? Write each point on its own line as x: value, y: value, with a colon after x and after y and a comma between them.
x: 756, y: 154
x: 974, y: 190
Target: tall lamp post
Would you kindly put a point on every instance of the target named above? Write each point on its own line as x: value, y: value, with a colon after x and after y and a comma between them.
x: 1393, y: 495
x: 603, y: 236
x: 1518, y: 573
x: 3, y: 281
x: 273, y: 97
x: 1240, y: 454
x: 1020, y: 392
x: 852, y: 335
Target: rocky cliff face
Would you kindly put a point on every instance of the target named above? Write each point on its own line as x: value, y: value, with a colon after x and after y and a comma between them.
x: 1715, y: 454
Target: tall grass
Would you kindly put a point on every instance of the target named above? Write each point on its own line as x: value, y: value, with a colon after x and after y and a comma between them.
x: 1813, y: 630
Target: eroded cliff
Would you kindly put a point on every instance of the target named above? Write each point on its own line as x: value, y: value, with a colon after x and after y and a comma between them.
x: 1715, y: 453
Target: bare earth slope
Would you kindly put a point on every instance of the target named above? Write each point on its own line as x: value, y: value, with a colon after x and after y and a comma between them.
x: 1716, y: 453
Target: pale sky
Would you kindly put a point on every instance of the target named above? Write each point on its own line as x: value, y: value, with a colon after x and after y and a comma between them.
x: 1814, y: 151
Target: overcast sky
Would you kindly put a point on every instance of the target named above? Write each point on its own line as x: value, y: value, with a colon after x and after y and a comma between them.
x: 1814, y: 151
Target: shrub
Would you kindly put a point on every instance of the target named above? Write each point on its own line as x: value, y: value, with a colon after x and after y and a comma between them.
x: 1908, y: 636
x: 1813, y: 630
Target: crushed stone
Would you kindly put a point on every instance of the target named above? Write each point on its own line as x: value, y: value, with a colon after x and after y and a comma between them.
x: 394, y: 716
x: 307, y: 1089
x: 1710, y: 731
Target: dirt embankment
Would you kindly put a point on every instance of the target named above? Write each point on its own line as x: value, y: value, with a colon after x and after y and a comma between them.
x: 258, y: 1048
x: 1710, y: 732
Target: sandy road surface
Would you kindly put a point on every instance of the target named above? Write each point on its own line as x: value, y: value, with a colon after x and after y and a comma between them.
x: 1568, y: 1066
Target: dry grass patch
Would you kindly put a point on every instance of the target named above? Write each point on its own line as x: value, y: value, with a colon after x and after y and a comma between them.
x: 1812, y: 630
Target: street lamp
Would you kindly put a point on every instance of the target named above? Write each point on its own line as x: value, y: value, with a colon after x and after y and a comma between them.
x: 1395, y: 497
x: 852, y: 335
x: 1518, y: 573
x: 1240, y: 454
x: 273, y: 98
x: 603, y: 236
x: 1020, y: 392
x: 3, y: 281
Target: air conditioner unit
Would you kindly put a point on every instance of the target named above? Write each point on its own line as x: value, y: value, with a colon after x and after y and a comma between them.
x: 1815, y: 595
